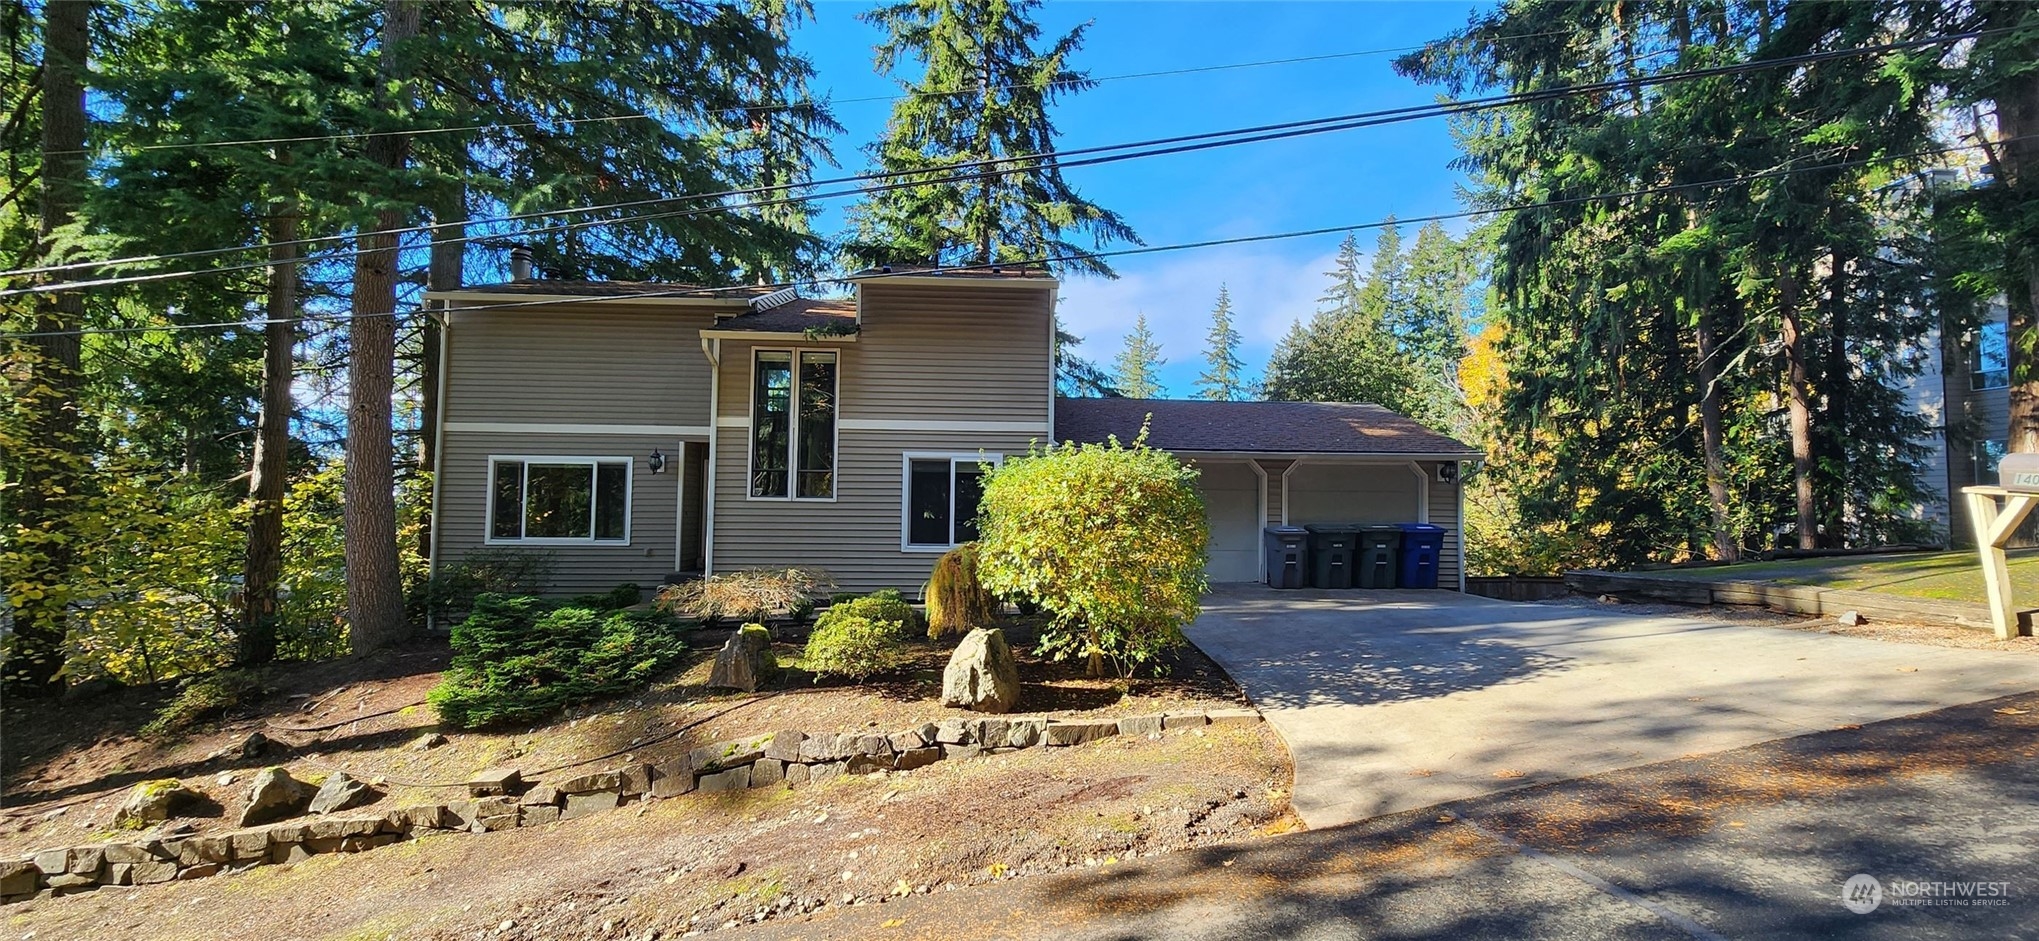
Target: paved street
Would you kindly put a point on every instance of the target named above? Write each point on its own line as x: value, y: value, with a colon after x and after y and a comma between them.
x: 1395, y: 700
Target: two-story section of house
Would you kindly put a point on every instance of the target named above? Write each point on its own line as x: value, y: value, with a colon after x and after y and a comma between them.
x: 642, y: 432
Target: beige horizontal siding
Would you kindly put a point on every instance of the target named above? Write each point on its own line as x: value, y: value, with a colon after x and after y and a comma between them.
x: 648, y: 558
x: 972, y: 353
x: 1444, y: 512
x: 599, y: 363
x: 856, y: 536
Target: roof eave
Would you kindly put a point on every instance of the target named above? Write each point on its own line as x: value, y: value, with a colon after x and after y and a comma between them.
x: 800, y: 335
x: 867, y: 277
x: 493, y: 298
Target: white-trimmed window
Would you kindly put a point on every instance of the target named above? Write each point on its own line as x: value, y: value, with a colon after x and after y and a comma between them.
x: 1990, y: 358
x: 559, y: 500
x: 939, y: 500
x: 792, y: 424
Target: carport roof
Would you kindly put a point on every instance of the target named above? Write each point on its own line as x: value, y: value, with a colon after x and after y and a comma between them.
x: 1197, y: 425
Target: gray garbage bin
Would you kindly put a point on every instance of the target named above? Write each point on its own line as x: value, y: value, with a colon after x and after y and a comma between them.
x: 1288, y: 553
x: 1376, y: 551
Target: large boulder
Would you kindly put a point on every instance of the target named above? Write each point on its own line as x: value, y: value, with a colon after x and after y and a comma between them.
x: 275, y: 796
x: 154, y: 802
x: 982, y: 675
x: 340, y: 792
x: 745, y: 661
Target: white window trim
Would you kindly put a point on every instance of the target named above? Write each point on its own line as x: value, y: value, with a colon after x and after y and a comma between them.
x: 906, y: 459
x: 488, y: 529
x: 750, y: 441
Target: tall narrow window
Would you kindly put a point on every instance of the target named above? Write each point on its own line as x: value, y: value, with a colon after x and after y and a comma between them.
x: 1990, y: 362
x: 771, y: 425
x: 793, y: 413
x: 567, y: 499
x: 942, y: 494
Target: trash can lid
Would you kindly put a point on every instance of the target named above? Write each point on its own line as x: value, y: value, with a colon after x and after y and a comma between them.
x: 1381, y: 528
x: 1286, y: 530
x: 1333, y: 527
x: 1419, y: 528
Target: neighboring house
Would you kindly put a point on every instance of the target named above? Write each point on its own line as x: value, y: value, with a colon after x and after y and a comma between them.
x: 636, y: 432
x: 1964, y: 388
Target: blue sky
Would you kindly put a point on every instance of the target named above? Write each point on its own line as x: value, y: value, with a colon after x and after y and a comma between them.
x: 1304, y: 183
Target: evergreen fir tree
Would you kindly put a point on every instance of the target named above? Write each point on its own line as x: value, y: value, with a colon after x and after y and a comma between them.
x: 1136, y: 372
x: 1224, y: 376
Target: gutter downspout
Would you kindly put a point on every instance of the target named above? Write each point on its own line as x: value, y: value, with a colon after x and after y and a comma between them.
x: 1461, y: 485
x: 1285, y: 488
x: 1260, y: 556
x: 711, y: 348
x: 445, y: 317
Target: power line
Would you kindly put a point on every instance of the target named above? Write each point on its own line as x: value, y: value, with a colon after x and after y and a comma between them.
x: 1204, y: 141
x: 1050, y: 260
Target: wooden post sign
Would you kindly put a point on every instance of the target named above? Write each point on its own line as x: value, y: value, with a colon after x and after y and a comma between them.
x: 1996, y: 512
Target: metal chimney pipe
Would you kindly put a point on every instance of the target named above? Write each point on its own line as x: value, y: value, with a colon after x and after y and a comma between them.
x: 520, y: 263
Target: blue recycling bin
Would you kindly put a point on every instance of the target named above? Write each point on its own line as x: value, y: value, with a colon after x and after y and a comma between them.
x: 1422, y: 545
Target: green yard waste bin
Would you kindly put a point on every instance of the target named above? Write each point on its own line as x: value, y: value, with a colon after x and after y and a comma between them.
x: 1376, y: 552
x: 1330, y: 555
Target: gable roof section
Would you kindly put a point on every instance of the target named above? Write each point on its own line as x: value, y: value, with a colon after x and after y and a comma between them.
x: 827, y: 316
x: 1198, y: 425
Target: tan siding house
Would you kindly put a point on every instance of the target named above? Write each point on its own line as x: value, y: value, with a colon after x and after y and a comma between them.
x: 639, y: 433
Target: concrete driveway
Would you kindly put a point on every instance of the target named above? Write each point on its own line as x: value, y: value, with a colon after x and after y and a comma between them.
x: 1394, y: 700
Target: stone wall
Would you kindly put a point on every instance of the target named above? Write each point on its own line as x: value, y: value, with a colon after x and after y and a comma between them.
x: 786, y: 758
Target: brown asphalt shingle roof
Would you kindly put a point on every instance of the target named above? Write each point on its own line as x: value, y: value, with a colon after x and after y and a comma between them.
x: 796, y: 316
x: 990, y: 273
x: 1256, y: 427
x: 544, y: 286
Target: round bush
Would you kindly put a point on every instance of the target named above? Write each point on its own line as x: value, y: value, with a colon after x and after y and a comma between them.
x: 853, y: 645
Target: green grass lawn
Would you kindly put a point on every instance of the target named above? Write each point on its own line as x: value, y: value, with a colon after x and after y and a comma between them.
x: 1945, y: 576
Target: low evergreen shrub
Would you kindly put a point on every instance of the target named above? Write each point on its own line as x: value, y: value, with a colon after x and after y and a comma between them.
x: 202, y: 699
x: 854, y: 645
x: 883, y: 605
x: 517, y: 658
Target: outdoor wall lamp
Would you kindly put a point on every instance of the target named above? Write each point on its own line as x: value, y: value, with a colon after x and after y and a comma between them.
x: 657, y: 462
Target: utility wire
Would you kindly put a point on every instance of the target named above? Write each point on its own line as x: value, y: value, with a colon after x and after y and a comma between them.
x: 1036, y: 262
x: 985, y: 167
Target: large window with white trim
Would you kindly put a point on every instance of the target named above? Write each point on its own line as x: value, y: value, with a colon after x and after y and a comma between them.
x: 792, y: 421
x: 559, y: 499
x: 941, y: 496
x: 1989, y: 359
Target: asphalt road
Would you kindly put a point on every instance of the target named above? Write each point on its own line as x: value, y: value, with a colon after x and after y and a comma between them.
x: 1754, y: 842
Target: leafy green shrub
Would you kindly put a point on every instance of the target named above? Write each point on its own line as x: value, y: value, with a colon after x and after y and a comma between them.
x: 749, y: 595
x: 452, y: 592
x: 881, y: 605
x: 203, y: 699
x: 854, y: 645
x: 956, y: 600
x: 615, y: 599
x: 517, y: 658
x: 1109, y: 539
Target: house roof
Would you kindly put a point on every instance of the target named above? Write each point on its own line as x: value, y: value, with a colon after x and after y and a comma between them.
x: 548, y: 287
x: 1254, y: 427
x: 795, y: 316
x: 988, y: 273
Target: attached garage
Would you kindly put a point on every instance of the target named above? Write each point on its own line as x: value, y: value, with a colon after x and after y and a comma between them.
x: 1296, y: 463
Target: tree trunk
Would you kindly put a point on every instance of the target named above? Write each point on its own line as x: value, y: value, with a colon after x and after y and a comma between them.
x: 2017, y: 108
x: 1725, y: 547
x: 445, y: 273
x: 270, y: 472
x: 51, y: 468
x: 1797, y: 397
x: 1838, y: 382
x: 375, y: 601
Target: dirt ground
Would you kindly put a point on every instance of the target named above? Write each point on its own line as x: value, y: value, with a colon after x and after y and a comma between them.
x: 1902, y: 632
x: 694, y: 862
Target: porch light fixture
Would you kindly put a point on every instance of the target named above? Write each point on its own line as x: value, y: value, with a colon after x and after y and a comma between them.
x: 657, y: 462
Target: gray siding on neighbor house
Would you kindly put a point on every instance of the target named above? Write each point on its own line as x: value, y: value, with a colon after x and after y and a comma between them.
x: 930, y: 362
x: 595, y: 363
x: 1444, y: 512
x: 577, y: 569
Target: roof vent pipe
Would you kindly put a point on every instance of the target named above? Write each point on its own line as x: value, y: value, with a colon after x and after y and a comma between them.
x: 520, y: 263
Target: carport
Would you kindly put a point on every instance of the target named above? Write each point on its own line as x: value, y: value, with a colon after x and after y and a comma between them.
x: 1292, y: 463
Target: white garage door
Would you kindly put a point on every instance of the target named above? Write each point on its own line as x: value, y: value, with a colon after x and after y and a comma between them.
x: 1353, y: 493
x: 1232, y: 502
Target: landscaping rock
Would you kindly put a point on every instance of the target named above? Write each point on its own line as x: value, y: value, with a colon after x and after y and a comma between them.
x: 251, y: 845
x: 274, y: 796
x: 912, y: 758
x: 824, y: 770
x: 418, y: 817
x: 154, y: 802
x: 341, y: 792
x: 496, y: 781
x: 537, y: 816
x: 981, y: 675
x: 581, y: 805
x: 797, y: 774
x: 992, y: 732
x: 540, y: 796
x: 200, y: 871
x: 428, y: 741
x: 672, y: 778
x: 126, y: 853
x: 765, y: 772
x: 867, y: 764
x: 726, y: 754
x: 591, y: 783
x: 1193, y: 720
x: 828, y: 747
x: 956, y: 732
x: 785, y: 746
x: 70, y: 883
x: 908, y: 740
x: 246, y: 749
x: 1852, y: 619
x: 1234, y: 716
x: 874, y: 746
x: 87, y: 861
x: 151, y: 873
x: 734, y: 779
x: 636, y: 779
x: 1077, y: 733
x: 1024, y: 733
x: 19, y: 877
x: 960, y: 751
x: 744, y: 662
x: 1140, y: 725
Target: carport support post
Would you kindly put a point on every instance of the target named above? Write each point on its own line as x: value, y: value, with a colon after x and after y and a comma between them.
x: 1993, y: 528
